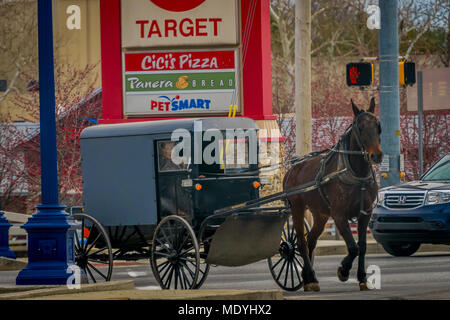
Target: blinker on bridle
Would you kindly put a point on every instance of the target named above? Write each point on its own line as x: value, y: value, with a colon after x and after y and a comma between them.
x: 354, y: 127
x: 357, y: 134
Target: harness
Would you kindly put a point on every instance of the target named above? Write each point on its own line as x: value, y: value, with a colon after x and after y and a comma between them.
x: 348, y: 177
x: 344, y: 172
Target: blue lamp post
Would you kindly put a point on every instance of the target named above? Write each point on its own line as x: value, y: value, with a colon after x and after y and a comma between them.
x: 5, y: 251
x: 50, y: 230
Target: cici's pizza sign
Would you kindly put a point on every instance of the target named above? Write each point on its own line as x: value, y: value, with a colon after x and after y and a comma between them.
x: 170, y: 23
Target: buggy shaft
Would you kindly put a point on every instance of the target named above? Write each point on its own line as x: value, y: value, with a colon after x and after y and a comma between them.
x: 306, y: 187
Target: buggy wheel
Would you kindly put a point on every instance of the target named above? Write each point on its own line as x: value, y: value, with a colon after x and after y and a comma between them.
x: 286, y: 268
x: 93, y: 252
x: 175, y: 255
x: 204, y: 267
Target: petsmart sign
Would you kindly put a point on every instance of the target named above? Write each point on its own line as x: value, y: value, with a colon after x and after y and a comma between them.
x: 174, y: 82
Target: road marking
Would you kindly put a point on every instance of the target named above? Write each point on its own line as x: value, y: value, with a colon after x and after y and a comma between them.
x: 149, y: 288
x: 335, y: 279
x: 136, y: 274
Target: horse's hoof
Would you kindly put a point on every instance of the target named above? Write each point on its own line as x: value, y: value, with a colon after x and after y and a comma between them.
x: 312, y: 286
x: 342, y: 275
x: 365, y: 286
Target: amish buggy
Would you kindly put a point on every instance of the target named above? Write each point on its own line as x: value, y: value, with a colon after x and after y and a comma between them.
x: 138, y: 203
x: 142, y: 202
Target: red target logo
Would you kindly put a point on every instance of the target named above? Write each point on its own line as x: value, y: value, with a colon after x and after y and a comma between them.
x: 177, y: 5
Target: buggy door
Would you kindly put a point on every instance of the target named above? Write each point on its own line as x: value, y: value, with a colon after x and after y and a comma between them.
x: 173, y: 199
x: 228, y: 182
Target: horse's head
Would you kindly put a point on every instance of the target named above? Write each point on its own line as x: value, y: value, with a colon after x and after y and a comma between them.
x: 367, y: 130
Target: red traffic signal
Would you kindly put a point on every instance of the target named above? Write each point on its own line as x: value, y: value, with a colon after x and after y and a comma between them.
x: 359, y: 74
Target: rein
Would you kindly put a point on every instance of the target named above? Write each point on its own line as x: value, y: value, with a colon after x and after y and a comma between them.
x: 345, y: 174
x: 297, y: 159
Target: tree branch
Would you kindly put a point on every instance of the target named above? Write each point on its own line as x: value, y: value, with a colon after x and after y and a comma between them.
x: 10, y: 87
x: 418, y: 36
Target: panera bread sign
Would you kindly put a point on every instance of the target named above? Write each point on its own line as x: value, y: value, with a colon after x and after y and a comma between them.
x: 176, y: 82
x: 170, y: 23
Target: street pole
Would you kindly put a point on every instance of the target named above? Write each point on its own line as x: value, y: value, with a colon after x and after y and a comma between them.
x: 303, y: 76
x: 389, y: 90
x: 50, y: 230
x: 303, y: 140
x: 420, y: 118
x: 5, y: 251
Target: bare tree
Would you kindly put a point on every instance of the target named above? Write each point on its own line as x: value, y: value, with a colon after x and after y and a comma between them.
x: 18, y: 43
x: 78, y: 103
x: 417, y: 18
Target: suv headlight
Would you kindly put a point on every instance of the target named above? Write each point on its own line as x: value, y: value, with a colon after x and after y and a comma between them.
x: 438, y: 197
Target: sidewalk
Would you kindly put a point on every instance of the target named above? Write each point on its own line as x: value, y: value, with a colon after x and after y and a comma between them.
x: 124, y: 290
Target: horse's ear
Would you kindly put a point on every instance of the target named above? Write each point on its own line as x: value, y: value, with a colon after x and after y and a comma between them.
x: 372, y: 105
x: 356, y: 110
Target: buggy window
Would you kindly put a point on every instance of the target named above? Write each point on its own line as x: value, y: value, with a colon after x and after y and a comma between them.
x: 165, y: 162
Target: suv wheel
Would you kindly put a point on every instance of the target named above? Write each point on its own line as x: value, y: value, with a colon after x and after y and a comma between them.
x: 401, y: 249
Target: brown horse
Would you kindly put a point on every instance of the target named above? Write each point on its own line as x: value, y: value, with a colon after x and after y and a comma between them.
x: 349, y: 196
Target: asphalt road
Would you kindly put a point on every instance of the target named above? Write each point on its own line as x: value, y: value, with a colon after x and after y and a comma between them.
x: 422, y: 276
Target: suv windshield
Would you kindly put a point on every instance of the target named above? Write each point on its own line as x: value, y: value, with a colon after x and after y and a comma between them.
x: 440, y: 171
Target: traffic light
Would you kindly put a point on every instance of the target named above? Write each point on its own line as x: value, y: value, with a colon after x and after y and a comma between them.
x: 406, y: 73
x: 359, y: 74
x: 3, y: 85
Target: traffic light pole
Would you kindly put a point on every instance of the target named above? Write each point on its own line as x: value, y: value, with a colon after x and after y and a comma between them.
x: 389, y: 90
x: 420, y: 118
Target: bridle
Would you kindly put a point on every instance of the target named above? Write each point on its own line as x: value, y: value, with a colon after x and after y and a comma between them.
x: 349, y: 177
x: 354, y: 128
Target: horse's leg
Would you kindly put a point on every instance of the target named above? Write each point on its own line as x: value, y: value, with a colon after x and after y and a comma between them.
x: 352, y: 248
x: 308, y: 274
x: 363, y: 222
x: 319, y: 223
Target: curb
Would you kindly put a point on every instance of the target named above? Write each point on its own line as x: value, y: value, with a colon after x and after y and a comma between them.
x: 45, y: 291
x: 169, y: 295
x: 326, y: 248
x: 339, y: 248
x: 8, y: 264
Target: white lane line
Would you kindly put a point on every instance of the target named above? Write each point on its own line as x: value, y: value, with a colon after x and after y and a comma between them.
x: 149, y: 288
x: 136, y: 274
